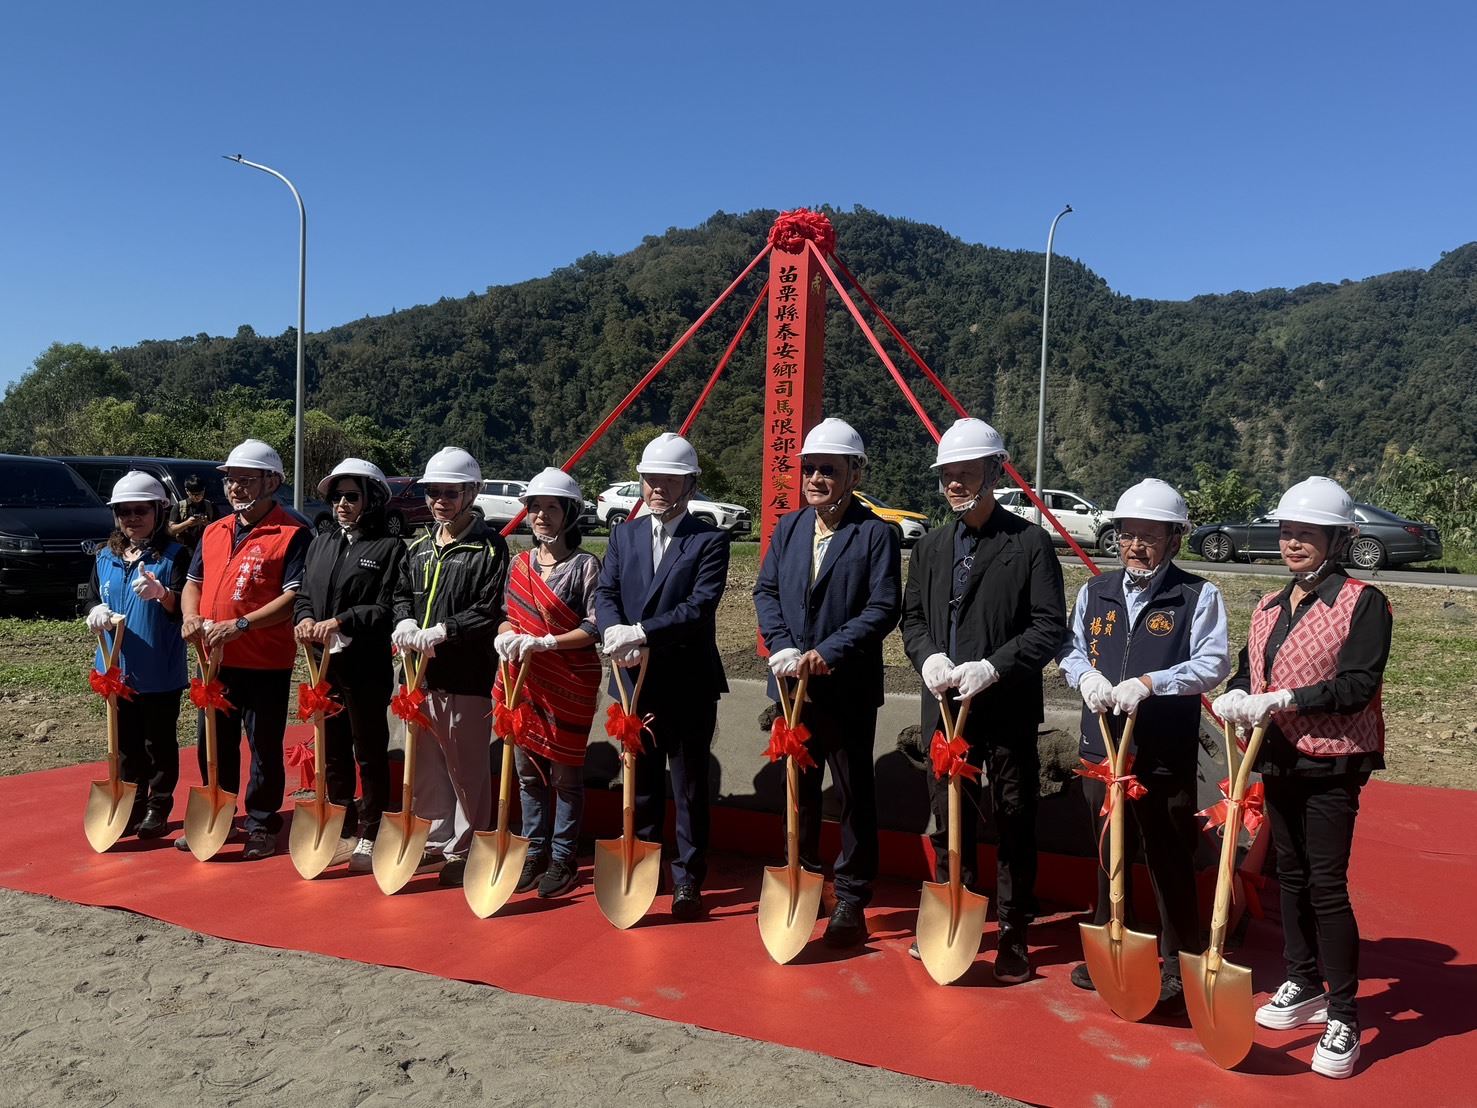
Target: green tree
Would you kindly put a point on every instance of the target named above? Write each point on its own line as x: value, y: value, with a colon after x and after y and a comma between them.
x: 1226, y: 497
x: 45, y: 411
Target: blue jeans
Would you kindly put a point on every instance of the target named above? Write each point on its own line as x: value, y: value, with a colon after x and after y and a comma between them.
x: 537, y: 778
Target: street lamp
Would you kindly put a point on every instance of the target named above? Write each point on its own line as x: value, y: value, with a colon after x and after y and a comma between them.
x: 302, y: 279
x: 1041, y: 402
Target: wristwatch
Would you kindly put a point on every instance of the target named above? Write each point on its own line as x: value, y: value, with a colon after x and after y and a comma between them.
x: 243, y: 624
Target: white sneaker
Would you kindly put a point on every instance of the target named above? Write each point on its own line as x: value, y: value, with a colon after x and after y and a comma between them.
x: 362, y: 860
x: 1337, y: 1051
x: 345, y: 850
x: 1293, y: 1005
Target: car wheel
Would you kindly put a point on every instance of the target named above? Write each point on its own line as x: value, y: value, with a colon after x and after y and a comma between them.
x: 709, y: 520
x: 395, y: 525
x: 1107, y: 541
x: 1217, y: 547
x: 323, y: 525
x: 1367, y: 553
x: 615, y: 519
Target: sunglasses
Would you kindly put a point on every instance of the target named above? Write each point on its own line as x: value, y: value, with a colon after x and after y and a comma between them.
x: 809, y: 468
x: 443, y: 492
x: 348, y: 496
x: 128, y: 511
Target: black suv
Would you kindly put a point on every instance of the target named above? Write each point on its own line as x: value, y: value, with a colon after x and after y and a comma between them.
x: 51, y: 527
x: 103, y: 472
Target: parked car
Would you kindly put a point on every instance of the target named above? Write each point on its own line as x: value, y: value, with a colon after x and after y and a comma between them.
x: 499, y: 504
x: 51, y: 526
x: 910, y: 526
x: 1088, y: 524
x: 102, y: 471
x: 407, y: 508
x: 1385, y: 539
x: 614, y: 505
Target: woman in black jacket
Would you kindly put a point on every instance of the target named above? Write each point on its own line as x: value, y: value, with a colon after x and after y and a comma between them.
x: 345, y: 605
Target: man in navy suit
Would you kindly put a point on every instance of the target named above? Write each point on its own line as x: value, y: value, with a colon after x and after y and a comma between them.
x: 828, y: 593
x: 659, y: 590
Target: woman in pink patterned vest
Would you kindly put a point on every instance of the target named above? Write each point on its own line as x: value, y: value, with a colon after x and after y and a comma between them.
x: 1313, y: 667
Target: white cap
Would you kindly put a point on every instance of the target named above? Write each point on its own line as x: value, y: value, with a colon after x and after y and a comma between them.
x: 553, y: 482
x: 968, y: 439
x: 1152, y: 498
x: 254, y: 454
x: 1320, y: 500
x: 355, y: 467
x: 834, y: 436
x: 451, y: 465
x: 134, y: 487
x: 669, y: 453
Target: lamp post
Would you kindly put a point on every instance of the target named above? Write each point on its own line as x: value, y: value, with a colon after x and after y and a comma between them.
x: 298, y: 434
x: 1041, y: 400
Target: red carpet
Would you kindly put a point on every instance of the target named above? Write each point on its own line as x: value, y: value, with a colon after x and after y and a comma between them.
x: 1414, y: 881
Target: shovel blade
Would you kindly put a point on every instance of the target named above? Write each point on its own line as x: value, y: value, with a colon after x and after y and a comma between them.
x: 1220, y: 1007
x: 317, y: 827
x: 788, y: 906
x: 625, y: 897
x: 208, y: 815
x: 109, y: 804
x: 492, y: 873
x: 398, y: 848
x: 1125, y: 973
x: 947, y: 942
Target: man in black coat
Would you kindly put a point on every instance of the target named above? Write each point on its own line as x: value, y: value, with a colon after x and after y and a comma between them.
x: 983, y: 612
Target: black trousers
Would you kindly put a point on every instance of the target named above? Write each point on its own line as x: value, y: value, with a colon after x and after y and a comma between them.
x: 1014, y: 769
x: 259, y: 704
x: 148, y: 752
x: 1313, y: 831
x: 843, y: 741
x: 1161, y: 825
x: 359, y: 736
x: 682, y: 736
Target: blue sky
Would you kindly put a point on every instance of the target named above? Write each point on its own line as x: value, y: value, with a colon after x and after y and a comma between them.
x: 442, y: 148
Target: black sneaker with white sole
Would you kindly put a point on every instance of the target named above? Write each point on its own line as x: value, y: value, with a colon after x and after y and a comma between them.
x: 559, y: 878
x: 1293, y: 1005
x: 1338, y: 1050
x: 533, y: 868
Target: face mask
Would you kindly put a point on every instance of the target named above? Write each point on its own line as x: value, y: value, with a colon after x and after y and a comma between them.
x: 1138, y: 578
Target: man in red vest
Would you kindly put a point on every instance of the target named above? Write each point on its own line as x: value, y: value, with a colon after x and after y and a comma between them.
x: 238, y: 599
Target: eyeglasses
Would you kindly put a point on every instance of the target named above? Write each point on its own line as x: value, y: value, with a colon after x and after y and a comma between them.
x: 1128, y: 538
x: 348, y: 496
x: 809, y: 468
x: 243, y: 481
x: 443, y: 492
x: 128, y: 511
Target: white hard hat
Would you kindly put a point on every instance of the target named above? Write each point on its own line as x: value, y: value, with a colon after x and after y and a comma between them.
x: 1153, y: 499
x: 355, y: 467
x: 553, y: 482
x: 1320, y: 500
x: 967, y: 439
x: 135, y: 486
x: 834, y: 436
x: 254, y: 454
x: 451, y: 465
x: 669, y: 453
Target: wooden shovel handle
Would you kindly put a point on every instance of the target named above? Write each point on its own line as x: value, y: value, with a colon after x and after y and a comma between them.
x: 1231, y: 834
x: 628, y: 701
x: 953, y: 725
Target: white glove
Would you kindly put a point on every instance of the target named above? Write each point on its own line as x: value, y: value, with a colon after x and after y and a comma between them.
x: 404, y: 634
x: 973, y: 678
x: 1128, y: 695
x: 937, y: 673
x: 337, y: 643
x: 148, y: 587
x: 623, y: 636
x: 524, y: 645
x: 785, y: 663
x: 628, y: 658
x: 1229, y: 706
x: 503, y: 644
x: 1258, y: 707
x: 1096, y: 690
x: 428, y: 639
x: 99, y: 618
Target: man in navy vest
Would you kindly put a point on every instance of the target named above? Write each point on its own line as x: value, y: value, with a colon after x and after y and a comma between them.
x: 1147, y: 641
x: 828, y: 593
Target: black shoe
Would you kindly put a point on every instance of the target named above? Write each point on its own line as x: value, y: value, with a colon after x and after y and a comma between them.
x: 848, y: 925
x: 1171, y: 996
x: 1337, y: 1050
x: 687, y: 901
x: 260, y: 844
x: 135, y: 820
x: 559, y: 878
x: 181, y: 844
x: 533, y: 868
x: 1293, y: 1005
x: 153, y: 824
x: 451, y: 873
x: 1082, y: 978
x: 1012, y: 960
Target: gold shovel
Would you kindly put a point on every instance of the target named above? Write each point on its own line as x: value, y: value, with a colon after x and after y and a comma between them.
x: 110, y: 802
x: 1218, y: 992
x: 951, y: 918
x: 790, y: 896
x: 495, y: 862
x: 317, y: 825
x: 1124, y: 964
x: 627, y: 869
x: 402, y: 834
x: 209, y: 808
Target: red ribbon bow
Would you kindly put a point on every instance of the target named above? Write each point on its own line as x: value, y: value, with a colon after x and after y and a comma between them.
x: 792, y: 229
x: 1253, y: 808
x: 312, y: 699
x: 407, y: 705
x: 212, y: 695
x: 1103, y: 771
x: 109, y: 684
x: 789, y: 742
x: 512, y: 724
x: 627, y: 728
x: 303, y: 757
x: 948, y: 758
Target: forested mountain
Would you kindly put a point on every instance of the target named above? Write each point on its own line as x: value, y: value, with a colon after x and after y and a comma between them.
x: 1276, y: 384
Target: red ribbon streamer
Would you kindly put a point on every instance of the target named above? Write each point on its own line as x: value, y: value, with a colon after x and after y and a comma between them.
x: 948, y: 758
x: 626, y: 728
x: 314, y: 698
x: 303, y: 757
x: 407, y: 705
x: 212, y: 695
x: 789, y: 742
x: 513, y: 724
x: 792, y: 229
x: 109, y: 684
x: 1253, y: 809
x: 1103, y: 771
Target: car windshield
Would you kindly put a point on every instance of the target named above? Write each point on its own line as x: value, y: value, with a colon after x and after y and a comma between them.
x: 1370, y: 514
x: 875, y: 501
x: 39, y: 485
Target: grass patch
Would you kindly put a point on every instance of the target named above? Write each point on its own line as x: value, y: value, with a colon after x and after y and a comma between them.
x: 56, y: 678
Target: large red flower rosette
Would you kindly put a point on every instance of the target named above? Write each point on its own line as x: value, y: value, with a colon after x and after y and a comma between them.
x: 791, y: 230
